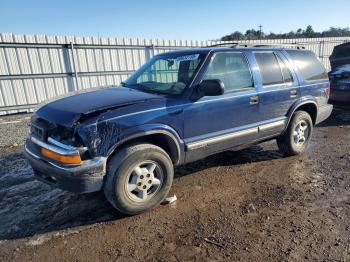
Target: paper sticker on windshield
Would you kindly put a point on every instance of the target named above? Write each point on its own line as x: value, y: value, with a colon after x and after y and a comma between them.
x: 187, y: 58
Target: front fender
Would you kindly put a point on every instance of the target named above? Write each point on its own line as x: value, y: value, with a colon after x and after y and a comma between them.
x: 149, y: 129
x: 103, y: 138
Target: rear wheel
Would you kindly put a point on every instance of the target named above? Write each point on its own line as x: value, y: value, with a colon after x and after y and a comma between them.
x: 297, y: 136
x: 139, y: 178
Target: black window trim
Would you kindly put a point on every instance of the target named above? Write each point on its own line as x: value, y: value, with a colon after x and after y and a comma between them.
x: 283, y: 60
x: 248, y: 64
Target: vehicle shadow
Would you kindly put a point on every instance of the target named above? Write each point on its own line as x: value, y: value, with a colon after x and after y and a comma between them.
x: 30, y: 207
x: 255, y: 153
x: 339, y: 117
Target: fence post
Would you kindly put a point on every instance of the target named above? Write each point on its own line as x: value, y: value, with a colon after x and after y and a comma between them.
x: 75, y: 73
x: 68, y: 68
x: 149, y: 52
x: 323, y: 54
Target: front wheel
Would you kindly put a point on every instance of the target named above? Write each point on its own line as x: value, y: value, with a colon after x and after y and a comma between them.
x: 297, y: 136
x: 139, y: 178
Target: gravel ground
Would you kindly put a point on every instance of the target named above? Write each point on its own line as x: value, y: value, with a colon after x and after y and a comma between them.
x: 13, y: 129
x: 253, y: 204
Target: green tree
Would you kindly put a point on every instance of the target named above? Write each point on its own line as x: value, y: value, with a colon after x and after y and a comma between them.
x: 234, y: 36
x: 253, y: 34
x: 309, y: 31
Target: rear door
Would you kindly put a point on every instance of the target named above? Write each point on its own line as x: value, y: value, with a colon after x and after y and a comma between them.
x: 215, y: 123
x: 278, y: 89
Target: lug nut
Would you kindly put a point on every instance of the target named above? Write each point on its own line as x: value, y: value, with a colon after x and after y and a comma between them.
x: 141, y: 176
x: 144, y: 187
x: 149, y: 181
x: 139, y: 184
x: 148, y: 175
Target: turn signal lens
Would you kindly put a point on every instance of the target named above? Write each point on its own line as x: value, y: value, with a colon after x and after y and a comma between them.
x: 64, y: 159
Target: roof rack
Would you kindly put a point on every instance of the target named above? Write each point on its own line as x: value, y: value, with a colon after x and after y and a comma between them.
x: 238, y: 45
x: 223, y: 44
x: 297, y: 46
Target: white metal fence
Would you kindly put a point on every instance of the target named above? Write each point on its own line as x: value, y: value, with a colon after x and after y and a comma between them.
x: 34, y: 68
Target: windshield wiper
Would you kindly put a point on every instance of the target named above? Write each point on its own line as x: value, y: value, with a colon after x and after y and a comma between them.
x: 140, y: 87
x: 144, y: 88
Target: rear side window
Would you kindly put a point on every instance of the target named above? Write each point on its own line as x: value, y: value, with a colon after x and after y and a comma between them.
x: 232, y: 69
x: 309, y: 66
x: 269, y: 68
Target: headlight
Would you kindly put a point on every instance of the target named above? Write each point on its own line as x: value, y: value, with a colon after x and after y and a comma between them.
x: 64, y: 159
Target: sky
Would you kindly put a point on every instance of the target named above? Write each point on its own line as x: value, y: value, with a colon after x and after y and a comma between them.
x: 176, y: 19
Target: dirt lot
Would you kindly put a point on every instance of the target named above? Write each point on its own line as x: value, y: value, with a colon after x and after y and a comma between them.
x: 253, y: 204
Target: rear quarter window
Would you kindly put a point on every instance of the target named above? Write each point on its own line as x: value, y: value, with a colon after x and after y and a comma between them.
x: 308, y: 65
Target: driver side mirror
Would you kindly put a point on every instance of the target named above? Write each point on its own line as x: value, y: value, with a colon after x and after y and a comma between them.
x: 211, y: 87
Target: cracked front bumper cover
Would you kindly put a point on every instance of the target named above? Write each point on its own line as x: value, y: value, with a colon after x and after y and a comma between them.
x: 83, y: 178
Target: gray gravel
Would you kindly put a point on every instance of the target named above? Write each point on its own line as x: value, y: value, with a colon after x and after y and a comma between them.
x: 13, y: 129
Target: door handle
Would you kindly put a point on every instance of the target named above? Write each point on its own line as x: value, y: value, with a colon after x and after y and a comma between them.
x: 293, y: 94
x: 254, y: 100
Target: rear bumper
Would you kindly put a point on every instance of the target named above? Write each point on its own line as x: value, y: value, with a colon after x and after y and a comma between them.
x: 83, y: 178
x: 323, y: 113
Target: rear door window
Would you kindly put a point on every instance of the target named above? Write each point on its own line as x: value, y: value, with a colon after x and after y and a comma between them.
x: 270, y: 69
x: 232, y: 69
x: 308, y: 65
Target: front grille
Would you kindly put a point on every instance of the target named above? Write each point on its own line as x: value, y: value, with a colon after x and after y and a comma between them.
x: 38, y: 132
x: 40, y: 128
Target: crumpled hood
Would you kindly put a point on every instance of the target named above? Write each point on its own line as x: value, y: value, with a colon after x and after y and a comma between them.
x: 66, y: 111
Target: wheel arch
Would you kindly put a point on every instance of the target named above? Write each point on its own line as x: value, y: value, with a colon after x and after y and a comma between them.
x: 165, y: 138
x: 309, y: 106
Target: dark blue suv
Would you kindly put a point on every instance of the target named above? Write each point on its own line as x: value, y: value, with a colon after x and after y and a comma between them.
x: 179, y: 107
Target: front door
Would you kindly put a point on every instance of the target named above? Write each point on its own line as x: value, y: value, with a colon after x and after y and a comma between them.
x: 216, y: 123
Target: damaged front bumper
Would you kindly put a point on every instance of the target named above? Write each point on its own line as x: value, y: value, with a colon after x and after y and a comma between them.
x: 83, y: 178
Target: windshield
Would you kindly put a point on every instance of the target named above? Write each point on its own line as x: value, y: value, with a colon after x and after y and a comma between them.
x: 165, y: 74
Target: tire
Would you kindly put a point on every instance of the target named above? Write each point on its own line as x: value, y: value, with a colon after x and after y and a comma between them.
x: 132, y: 167
x: 290, y: 143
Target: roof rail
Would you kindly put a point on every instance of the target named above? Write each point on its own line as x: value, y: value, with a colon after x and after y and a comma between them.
x: 223, y: 44
x: 297, y: 46
x: 231, y: 44
x: 238, y: 45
